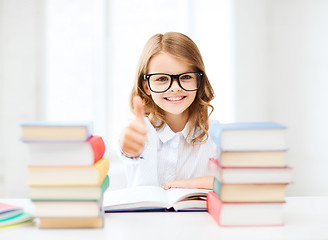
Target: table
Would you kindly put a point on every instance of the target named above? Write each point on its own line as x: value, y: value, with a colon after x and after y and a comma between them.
x: 305, y: 218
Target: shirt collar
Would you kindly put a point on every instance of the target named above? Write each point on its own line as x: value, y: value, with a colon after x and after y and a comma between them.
x: 165, y: 133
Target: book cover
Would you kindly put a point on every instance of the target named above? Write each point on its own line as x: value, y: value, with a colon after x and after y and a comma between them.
x: 69, y: 176
x: 249, y: 192
x: 56, y: 131
x: 71, y: 193
x: 251, y: 136
x: 249, y: 175
x: 154, y: 198
x: 84, y: 153
x: 244, y: 214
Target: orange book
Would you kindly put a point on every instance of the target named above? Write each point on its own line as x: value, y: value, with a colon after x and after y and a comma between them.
x: 71, y: 222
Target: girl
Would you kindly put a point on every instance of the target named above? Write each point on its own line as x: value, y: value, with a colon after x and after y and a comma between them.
x: 170, y: 147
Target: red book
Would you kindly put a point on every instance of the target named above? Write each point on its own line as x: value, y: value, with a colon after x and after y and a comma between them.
x: 84, y: 153
x: 248, y: 214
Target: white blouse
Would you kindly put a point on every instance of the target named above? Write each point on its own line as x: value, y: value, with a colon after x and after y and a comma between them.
x: 167, y: 156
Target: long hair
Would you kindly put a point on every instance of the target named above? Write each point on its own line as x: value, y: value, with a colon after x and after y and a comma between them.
x: 182, y: 47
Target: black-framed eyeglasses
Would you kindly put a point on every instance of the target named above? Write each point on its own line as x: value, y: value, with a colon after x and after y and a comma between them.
x: 161, y: 82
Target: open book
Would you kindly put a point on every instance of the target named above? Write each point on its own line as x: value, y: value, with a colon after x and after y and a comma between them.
x: 153, y: 198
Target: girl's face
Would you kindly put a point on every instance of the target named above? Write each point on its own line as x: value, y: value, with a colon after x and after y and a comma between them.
x: 175, y: 100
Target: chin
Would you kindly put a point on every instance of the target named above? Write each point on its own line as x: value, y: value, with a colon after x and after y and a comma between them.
x: 176, y: 112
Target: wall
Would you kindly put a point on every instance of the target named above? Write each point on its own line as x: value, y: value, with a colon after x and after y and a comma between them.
x: 281, y: 75
x: 251, y: 60
x: 1, y: 94
x: 21, y: 88
x: 299, y: 77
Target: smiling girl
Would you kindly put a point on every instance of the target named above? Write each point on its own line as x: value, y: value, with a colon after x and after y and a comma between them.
x: 167, y: 144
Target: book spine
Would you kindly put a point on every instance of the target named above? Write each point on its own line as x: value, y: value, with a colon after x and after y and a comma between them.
x: 98, y: 147
x: 214, y: 206
x: 217, y: 186
x: 102, y: 166
x: 105, y: 184
x: 89, y: 129
x: 216, y: 133
x: 212, y: 165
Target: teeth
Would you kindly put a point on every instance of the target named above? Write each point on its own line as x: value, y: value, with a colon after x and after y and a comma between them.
x: 174, y: 99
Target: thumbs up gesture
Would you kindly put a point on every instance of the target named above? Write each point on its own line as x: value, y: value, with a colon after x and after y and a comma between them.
x: 133, y: 137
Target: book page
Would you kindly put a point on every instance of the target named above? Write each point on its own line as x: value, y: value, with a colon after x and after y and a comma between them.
x: 135, y: 197
x: 178, y: 194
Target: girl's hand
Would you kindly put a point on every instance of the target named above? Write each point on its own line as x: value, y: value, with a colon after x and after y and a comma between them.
x: 198, y: 182
x: 133, y: 137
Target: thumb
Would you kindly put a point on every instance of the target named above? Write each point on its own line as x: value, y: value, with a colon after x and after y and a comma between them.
x: 138, y: 108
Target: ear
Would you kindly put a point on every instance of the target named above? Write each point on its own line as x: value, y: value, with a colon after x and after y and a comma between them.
x: 145, y: 87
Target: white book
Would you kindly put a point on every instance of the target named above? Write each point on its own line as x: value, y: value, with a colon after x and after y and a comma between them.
x: 155, y: 198
x: 67, y: 208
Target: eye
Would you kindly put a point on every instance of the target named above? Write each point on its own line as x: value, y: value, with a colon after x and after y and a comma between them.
x: 186, y: 77
x: 162, y: 78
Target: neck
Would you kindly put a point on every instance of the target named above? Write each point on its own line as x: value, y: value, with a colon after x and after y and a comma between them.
x: 177, y: 122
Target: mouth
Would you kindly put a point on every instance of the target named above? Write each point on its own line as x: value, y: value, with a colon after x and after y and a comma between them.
x: 175, y: 99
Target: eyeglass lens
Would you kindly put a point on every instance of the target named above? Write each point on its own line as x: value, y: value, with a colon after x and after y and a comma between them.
x: 162, y: 82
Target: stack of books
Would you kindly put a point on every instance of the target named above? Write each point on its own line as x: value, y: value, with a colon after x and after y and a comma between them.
x: 67, y: 174
x: 250, y: 176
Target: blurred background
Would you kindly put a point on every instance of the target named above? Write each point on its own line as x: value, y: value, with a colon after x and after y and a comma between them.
x: 267, y: 60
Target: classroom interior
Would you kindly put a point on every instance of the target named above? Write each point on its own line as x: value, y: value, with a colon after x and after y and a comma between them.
x: 76, y: 60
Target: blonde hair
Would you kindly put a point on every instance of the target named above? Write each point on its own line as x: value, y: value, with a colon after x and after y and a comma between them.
x: 182, y: 47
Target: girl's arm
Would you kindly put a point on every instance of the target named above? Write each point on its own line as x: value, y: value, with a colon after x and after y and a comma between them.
x: 133, y: 137
x: 197, y: 182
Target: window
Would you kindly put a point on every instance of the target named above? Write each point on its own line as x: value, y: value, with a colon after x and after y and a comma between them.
x: 90, y: 43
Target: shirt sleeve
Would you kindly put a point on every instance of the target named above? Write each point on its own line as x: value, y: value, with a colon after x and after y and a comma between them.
x: 132, y: 160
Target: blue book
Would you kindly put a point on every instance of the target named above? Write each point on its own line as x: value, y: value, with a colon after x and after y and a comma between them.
x: 52, y: 131
x: 249, y: 136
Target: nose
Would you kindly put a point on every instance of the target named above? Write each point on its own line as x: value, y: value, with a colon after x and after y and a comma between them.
x: 175, y: 85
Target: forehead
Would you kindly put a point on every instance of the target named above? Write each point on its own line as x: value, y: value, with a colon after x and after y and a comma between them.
x: 167, y: 63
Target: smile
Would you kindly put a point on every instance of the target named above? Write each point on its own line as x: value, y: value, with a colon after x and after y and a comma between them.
x: 174, y: 99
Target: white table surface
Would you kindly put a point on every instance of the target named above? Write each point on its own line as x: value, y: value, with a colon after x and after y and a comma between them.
x: 305, y: 218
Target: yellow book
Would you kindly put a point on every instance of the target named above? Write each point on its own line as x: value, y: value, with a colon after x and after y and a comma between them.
x: 69, y: 176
